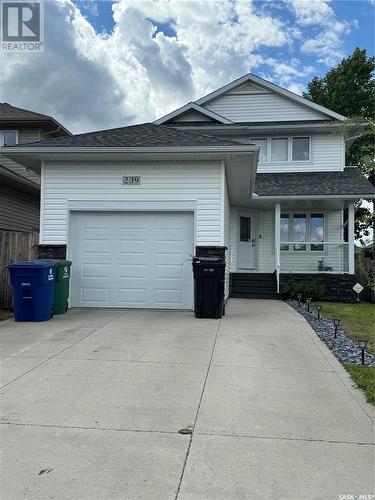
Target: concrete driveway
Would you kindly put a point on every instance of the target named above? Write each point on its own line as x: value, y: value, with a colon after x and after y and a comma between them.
x: 92, y: 402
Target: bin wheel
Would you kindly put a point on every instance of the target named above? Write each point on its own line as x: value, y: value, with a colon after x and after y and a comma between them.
x: 66, y: 306
x: 223, y: 310
x: 51, y: 314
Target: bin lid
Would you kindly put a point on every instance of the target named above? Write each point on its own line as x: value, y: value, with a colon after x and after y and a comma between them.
x: 31, y: 264
x: 208, y: 259
x: 58, y: 262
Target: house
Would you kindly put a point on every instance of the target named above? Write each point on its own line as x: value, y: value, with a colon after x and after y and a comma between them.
x: 251, y: 167
x: 20, y: 186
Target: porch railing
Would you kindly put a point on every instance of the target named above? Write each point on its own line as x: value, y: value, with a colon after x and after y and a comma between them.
x: 344, y: 254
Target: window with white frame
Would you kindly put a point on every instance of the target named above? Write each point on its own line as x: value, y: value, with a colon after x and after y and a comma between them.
x: 8, y: 137
x: 300, y: 228
x: 284, y: 149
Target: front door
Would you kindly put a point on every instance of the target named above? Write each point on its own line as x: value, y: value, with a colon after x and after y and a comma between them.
x: 247, y: 245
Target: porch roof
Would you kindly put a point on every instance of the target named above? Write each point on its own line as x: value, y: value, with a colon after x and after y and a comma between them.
x: 349, y: 183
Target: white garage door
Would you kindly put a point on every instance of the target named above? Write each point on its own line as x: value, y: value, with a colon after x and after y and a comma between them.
x: 132, y: 259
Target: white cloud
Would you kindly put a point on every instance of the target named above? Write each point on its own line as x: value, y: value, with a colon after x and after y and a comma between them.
x: 310, y: 12
x: 328, y: 44
x: 136, y: 73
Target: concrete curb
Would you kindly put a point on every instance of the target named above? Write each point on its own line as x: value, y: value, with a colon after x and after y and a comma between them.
x: 337, y: 367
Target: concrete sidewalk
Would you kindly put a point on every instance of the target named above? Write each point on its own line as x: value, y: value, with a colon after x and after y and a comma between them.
x: 92, y: 402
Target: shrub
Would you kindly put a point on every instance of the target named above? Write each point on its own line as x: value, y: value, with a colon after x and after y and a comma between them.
x: 291, y: 287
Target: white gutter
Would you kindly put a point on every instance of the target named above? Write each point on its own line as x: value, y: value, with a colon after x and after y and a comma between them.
x: 240, y: 148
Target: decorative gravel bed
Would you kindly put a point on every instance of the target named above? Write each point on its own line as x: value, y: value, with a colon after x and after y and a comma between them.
x: 344, y: 348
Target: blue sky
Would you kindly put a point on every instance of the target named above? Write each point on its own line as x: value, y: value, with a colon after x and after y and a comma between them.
x: 110, y: 64
x: 359, y: 14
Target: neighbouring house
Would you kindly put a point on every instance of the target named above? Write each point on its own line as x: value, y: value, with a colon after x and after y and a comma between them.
x: 20, y: 186
x: 251, y: 166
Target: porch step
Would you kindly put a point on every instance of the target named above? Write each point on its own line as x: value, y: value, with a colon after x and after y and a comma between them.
x: 253, y: 286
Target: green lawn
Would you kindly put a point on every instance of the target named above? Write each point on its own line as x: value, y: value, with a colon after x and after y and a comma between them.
x: 364, y: 377
x: 358, y: 320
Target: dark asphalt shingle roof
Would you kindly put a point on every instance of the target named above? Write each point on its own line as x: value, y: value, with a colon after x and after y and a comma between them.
x: 9, y: 112
x: 348, y: 182
x: 144, y: 135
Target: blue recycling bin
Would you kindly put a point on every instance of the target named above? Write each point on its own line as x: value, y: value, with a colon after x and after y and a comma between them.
x: 33, y: 289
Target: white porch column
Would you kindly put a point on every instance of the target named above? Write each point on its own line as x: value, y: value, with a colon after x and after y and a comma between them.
x: 351, y: 237
x: 277, y: 243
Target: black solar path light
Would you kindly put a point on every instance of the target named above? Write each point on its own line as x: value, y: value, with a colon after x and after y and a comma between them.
x: 362, y: 344
x: 336, y: 322
x: 299, y: 297
x: 308, y: 302
x: 318, y: 308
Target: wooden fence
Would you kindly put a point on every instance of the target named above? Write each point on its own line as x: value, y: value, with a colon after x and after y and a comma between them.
x: 14, y: 246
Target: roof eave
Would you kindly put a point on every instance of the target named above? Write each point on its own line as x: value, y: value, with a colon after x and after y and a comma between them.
x: 33, y: 157
x: 38, y: 121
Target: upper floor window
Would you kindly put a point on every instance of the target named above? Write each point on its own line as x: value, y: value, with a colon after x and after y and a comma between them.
x: 300, y: 149
x: 284, y: 149
x: 279, y: 150
x: 8, y: 137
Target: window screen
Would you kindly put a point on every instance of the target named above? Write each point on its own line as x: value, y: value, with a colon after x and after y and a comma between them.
x: 299, y: 231
x: 284, y: 231
x: 317, y: 231
x: 301, y: 149
x: 279, y: 150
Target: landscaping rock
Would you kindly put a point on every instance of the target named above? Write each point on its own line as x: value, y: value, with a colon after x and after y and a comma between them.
x: 345, y: 349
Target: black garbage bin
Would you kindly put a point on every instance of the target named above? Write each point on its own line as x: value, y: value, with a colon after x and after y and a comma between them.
x: 209, y: 277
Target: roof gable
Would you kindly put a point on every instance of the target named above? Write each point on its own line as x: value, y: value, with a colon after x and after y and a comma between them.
x: 253, y: 85
x: 192, y: 112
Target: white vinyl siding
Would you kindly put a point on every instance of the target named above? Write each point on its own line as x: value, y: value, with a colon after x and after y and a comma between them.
x: 262, y: 107
x: 200, y: 182
x: 192, y: 116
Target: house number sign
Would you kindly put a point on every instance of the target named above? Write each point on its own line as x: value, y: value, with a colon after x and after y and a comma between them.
x: 131, y: 180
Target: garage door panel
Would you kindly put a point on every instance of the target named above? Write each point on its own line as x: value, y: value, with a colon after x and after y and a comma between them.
x: 163, y: 297
x: 140, y: 259
x: 96, y: 246
x: 168, y: 271
x: 133, y: 246
x: 96, y: 296
x: 95, y: 270
x: 131, y: 297
x: 132, y: 271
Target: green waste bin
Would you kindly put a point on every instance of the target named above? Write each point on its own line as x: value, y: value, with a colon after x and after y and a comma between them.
x: 60, y: 303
